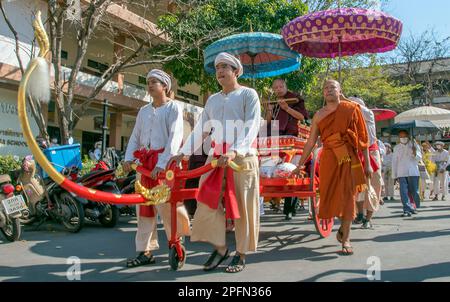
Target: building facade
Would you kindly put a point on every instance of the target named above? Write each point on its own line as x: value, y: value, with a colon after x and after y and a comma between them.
x: 126, y: 93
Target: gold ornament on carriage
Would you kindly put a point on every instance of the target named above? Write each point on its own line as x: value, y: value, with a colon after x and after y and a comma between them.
x: 154, y: 196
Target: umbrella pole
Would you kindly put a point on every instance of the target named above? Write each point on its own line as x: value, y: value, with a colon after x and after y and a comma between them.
x: 340, y: 51
x: 340, y: 60
x: 252, y: 58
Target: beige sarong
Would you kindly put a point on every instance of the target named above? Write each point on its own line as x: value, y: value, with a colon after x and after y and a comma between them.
x: 372, y: 196
x: 147, y: 234
x: 209, y: 224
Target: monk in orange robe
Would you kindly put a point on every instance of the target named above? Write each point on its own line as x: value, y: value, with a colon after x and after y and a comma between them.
x: 342, y: 129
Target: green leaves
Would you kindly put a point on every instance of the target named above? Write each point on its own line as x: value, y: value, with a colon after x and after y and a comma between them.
x: 8, y: 164
x: 222, y: 18
x: 366, y: 78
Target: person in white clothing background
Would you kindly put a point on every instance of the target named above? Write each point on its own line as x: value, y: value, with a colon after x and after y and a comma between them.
x: 369, y: 201
x: 382, y: 149
x: 405, y: 168
x: 388, y: 192
x: 441, y: 159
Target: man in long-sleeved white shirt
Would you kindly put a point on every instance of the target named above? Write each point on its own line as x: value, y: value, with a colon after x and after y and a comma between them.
x: 233, y: 116
x: 441, y: 159
x: 156, y: 137
x: 405, y: 168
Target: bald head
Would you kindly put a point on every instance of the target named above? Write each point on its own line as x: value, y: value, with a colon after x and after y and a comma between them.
x: 331, y: 91
x: 331, y: 82
x: 279, y: 87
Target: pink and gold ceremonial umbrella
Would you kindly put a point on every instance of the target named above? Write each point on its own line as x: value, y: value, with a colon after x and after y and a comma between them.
x: 342, y: 32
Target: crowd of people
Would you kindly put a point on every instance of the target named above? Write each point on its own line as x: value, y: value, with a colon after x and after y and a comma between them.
x: 354, y: 165
x: 416, y: 169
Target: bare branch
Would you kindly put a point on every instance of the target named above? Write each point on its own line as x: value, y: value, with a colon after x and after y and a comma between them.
x: 93, y: 16
x: 16, y: 37
x: 419, y: 56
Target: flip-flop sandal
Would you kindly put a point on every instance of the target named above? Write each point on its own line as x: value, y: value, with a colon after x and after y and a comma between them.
x: 215, y: 260
x: 141, y: 259
x: 347, y: 250
x: 236, y: 265
x: 339, y: 235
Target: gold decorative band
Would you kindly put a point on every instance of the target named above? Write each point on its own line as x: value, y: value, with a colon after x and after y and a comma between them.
x: 155, y: 196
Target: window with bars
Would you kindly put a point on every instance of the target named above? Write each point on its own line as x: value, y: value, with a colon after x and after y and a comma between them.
x: 188, y: 96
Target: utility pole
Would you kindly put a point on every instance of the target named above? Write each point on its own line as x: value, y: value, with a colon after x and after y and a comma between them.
x: 105, y: 126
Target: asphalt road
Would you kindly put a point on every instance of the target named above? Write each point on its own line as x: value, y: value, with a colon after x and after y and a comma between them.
x: 397, y: 249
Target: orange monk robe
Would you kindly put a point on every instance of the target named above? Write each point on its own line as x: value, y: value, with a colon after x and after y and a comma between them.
x: 343, y: 134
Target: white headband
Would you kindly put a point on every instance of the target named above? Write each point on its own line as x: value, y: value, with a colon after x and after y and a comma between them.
x: 228, y: 59
x: 161, y: 76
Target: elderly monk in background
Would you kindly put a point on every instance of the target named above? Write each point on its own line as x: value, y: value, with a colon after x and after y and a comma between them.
x: 343, y: 132
x: 287, y: 116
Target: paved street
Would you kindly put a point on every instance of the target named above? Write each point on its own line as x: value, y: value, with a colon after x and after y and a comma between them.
x: 409, y: 249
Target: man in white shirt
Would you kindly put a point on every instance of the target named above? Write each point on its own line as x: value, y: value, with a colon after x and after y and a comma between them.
x: 98, y: 151
x: 382, y: 148
x: 54, y: 142
x: 233, y: 116
x: 156, y: 137
x: 369, y: 201
x: 441, y: 158
x: 405, y: 168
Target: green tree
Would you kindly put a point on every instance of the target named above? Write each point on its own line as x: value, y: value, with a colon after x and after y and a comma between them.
x: 236, y: 16
x: 364, y: 76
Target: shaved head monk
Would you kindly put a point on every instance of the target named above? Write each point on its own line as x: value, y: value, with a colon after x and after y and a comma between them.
x: 342, y: 130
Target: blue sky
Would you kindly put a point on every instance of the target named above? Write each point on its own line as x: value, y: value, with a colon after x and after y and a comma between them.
x: 420, y: 15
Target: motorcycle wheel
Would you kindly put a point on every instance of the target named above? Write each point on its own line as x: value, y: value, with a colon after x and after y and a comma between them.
x: 12, y: 229
x: 111, y: 216
x: 72, y: 216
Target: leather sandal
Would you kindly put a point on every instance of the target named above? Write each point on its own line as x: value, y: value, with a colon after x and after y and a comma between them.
x: 215, y: 260
x: 236, y: 265
x: 141, y: 259
x: 347, y: 250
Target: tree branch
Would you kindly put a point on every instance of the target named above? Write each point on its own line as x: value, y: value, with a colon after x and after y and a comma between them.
x: 16, y: 37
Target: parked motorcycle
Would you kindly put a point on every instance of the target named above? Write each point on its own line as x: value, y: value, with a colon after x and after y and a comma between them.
x: 126, y: 186
x: 102, y: 180
x: 47, y: 200
x: 11, y: 209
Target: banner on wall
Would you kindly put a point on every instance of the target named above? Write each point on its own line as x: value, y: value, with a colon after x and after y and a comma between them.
x: 12, y: 141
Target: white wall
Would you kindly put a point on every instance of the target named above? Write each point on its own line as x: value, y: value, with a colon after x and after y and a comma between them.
x: 20, y: 14
x: 11, y: 139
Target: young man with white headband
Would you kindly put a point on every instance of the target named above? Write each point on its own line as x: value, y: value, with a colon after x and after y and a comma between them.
x: 157, y: 136
x: 233, y: 118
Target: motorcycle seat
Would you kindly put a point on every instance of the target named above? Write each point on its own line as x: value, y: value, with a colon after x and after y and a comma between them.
x: 94, y: 174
